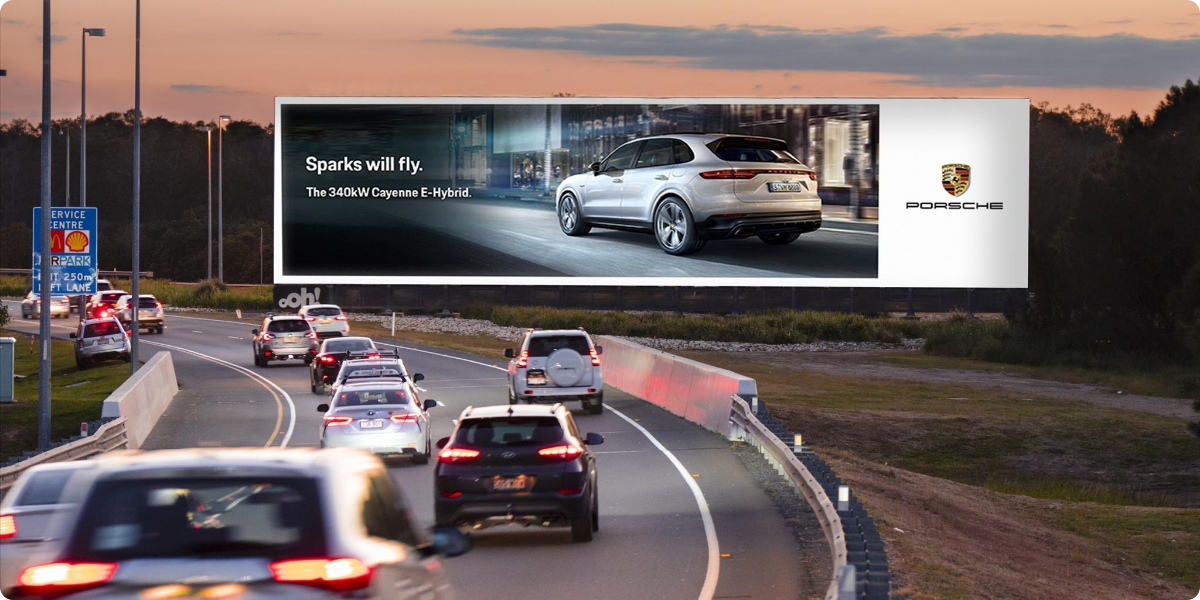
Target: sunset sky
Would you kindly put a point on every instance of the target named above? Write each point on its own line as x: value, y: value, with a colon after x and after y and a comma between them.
x: 203, y: 58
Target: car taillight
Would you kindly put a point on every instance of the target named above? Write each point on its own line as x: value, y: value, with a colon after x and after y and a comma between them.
x: 331, y: 421
x: 157, y: 304
x: 337, y: 574
x: 8, y: 527
x: 570, y: 491
x: 405, y: 418
x: 310, y: 319
x: 268, y: 336
x: 561, y: 452
x: 595, y: 357
x: 451, y: 495
x: 65, y: 575
x: 450, y: 454
x: 312, y: 335
x: 728, y: 174
x: 340, y: 318
x: 327, y: 360
x: 523, y: 360
x: 372, y: 356
x: 102, y: 313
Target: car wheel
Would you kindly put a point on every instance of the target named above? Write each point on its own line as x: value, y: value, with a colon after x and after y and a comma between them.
x: 595, y: 509
x: 581, y: 525
x: 570, y: 217
x: 779, y: 239
x: 80, y: 363
x: 595, y: 405
x: 420, y: 458
x: 674, y: 228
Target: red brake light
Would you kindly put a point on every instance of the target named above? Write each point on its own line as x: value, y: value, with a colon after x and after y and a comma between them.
x: 340, y: 318
x: 335, y: 421
x: 338, y: 574
x: 729, y: 174
x: 8, y: 527
x: 327, y: 360
x: 452, y: 495
x: 312, y: 335
x: 450, y: 454
x: 268, y: 336
x: 373, y: 356
x: 523, y: 360
x: 310, y: 319
x: 562, y: 452
x: 595, y: 357
x: 157, y: 304
x: 404, y: 418
x: 66, y: 575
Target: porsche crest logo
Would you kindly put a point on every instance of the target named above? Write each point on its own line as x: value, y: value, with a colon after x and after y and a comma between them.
x: 956, y: 178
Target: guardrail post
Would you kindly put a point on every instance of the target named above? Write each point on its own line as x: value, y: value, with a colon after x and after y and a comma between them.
x: 847, y: 586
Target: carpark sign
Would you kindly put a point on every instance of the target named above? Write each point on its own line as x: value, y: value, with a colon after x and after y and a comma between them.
x: 72, y: 250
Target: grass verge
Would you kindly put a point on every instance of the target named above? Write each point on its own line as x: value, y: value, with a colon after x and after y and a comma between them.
x: 76, y: 396
x: 185, y: 295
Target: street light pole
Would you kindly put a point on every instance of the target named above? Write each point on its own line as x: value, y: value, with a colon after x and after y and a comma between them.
x: 221, y: 120
x: 208, y: 130
x: 97, y: 32
x: 44, y: 233
x: 137, y: 187
x: 67, y: 157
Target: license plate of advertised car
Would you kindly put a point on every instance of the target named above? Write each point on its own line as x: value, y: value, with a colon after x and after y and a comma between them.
x: 519, y: 483
x: 536, y: 378
x: 370, y: 424
x: 784, y: 186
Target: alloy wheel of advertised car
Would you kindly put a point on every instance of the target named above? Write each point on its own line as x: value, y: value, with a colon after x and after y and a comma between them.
x: 569, y: 217
x: 565, y: 367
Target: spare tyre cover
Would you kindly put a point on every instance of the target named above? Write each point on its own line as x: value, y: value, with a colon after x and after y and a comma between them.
x: 565, y: 367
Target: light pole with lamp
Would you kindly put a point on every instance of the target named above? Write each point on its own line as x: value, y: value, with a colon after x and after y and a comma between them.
x: 208, y: 130
x: 135, y: 274
x: 221, y: 197
x: 94, y: 32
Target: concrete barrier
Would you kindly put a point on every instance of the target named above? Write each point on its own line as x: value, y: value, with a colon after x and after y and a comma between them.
x: 143, y: 398
x: 695, y: 391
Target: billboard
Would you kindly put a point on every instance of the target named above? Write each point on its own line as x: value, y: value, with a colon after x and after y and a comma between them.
x: 656, y: 192
x: 72, y: 254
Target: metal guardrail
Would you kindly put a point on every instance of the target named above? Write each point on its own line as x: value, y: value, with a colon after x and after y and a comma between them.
x: 745, y: 422
x: 110, y: 436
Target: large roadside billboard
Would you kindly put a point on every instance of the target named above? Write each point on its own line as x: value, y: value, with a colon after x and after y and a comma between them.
x: 690, y: 192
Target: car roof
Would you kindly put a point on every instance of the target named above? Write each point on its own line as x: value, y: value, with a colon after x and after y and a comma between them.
x: 310, y: 462
x: 550, y: 332
x: 709, y: 137
x: 284, y: 317
x: 347, y: 337
x: 511, y: 410
x: 308, y: 306
x: 101, y: 320
x: 387, y: 382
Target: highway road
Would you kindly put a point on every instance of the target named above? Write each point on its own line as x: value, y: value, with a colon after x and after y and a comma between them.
x: 681, y: 517
x: 492, y: 237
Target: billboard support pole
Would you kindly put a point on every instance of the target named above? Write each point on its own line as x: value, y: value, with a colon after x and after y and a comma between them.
x: 44, y: 232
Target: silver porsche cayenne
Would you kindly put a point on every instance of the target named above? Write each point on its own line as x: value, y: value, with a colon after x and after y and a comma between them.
x: 688, y: 188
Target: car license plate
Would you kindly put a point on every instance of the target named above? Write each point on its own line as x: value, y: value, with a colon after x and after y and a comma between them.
x: 538, y: 378
x: 519, y: 483
x: 290, y: 340
x: 326, y: 321
x: 370, y: 424
x: 784, y: 186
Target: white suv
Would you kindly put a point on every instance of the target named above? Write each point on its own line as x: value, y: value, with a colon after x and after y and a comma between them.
x: 554, y: 365
x: 327, y: 320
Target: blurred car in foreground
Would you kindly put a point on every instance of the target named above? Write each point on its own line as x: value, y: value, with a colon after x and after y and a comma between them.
x: 283, y: 337
x: 100, y: 339
x: 385, y: 416
x: 523, y: 464
x: 150, y: 312
x: 246, y: 524
x: 31, y: 306
x: 327, y: 320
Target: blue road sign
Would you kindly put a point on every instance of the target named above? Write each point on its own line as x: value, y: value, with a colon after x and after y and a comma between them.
x: 73, y: 265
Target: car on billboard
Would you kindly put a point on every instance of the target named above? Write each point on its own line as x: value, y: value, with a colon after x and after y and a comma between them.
x: 688, y: 189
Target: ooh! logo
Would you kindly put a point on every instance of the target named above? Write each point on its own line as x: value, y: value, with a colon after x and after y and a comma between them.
x: 301, y: 298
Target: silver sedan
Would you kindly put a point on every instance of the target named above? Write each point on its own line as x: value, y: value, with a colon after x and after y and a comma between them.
x: 383, y: 416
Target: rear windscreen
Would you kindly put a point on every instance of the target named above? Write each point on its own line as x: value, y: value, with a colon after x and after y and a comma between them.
x: 393, y: 397
x: 543, y: 346
x: 509, y: 431
x: 102, y: 328
x: 752, y: 150
x: 201, y: 518
x: 371, y: 371
x: 348, y: 345
x: 148, y: 303
x: 111, y: 297
x: 324, y: 312
x: 44, y: 487
x: 289, y: 326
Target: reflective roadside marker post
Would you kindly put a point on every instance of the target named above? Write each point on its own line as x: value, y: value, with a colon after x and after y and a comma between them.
x: 843, y: 498
x: 798, y: 444
x: 393, y: 323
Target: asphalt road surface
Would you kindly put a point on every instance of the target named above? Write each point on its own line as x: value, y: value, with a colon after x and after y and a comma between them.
x: 659, y: 538
x: 512, y: 238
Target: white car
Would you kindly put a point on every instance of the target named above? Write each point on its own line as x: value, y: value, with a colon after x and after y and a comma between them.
x: 690, y: 188
x: 100, y: 339
x: 384, y: 416
x: 31, y: 306
x: 327, y: 320
x: 243, y: 523
x: 556, y: 365
x: 371, y: 368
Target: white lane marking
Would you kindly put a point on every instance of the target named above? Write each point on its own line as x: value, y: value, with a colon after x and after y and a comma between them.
x: 263, y: 381
x: 194, y: 331
x: 421, y: 388
x: 617, y: 451
x: 522, y: 235
x: 874, y: 233
x: 709, y: 589
x: 227, y: 321
x: 234, y: 337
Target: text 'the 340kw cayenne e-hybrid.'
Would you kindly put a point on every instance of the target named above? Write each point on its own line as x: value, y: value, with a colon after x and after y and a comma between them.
x: 689, y: 188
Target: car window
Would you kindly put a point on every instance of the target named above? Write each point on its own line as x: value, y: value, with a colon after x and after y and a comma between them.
x: 572, y: 428
x: 395, y: 511
x: 272, y: 517
x: 111, y: 297
x: 752, y: 150
x: 43, y: 487
x: 392, y: 397
x: 621, y: 158
x: 508, y: 431
x: 103, y: 285
x: 544, y: 345
x: 101, y: 328
x: 324, y: 311
x: 376, y: 370
x: 683, y: 154
x: 348, y: 345
x: 289, y: 326
x: 656, y: 153
x: 150, y: 302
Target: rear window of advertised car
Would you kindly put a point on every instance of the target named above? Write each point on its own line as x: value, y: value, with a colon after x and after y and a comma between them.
x: 324, y: 311
x: 348, y: 345
x: 201, y: 518
x: 394, y: 397
x: 289, y: 326
x: 508, y: 431
x: 543, y: 346
x: 101, y: 328
x: 752, y: 150
x: 44, y: 487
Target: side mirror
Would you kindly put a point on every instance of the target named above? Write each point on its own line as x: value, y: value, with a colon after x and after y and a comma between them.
x: 593, y: 439
x: 322, y: 408
x: 449, y: 541
x: 431, y: 403
x: 599, y: 349
x: 74, y: 335
x: 594, y: 168
x: 254, y: 331
x: 508, y: 353
x: 442, y: 442
x: 417, y: 377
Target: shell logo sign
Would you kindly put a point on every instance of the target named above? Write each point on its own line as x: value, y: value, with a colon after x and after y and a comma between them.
x: 77, y: 241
